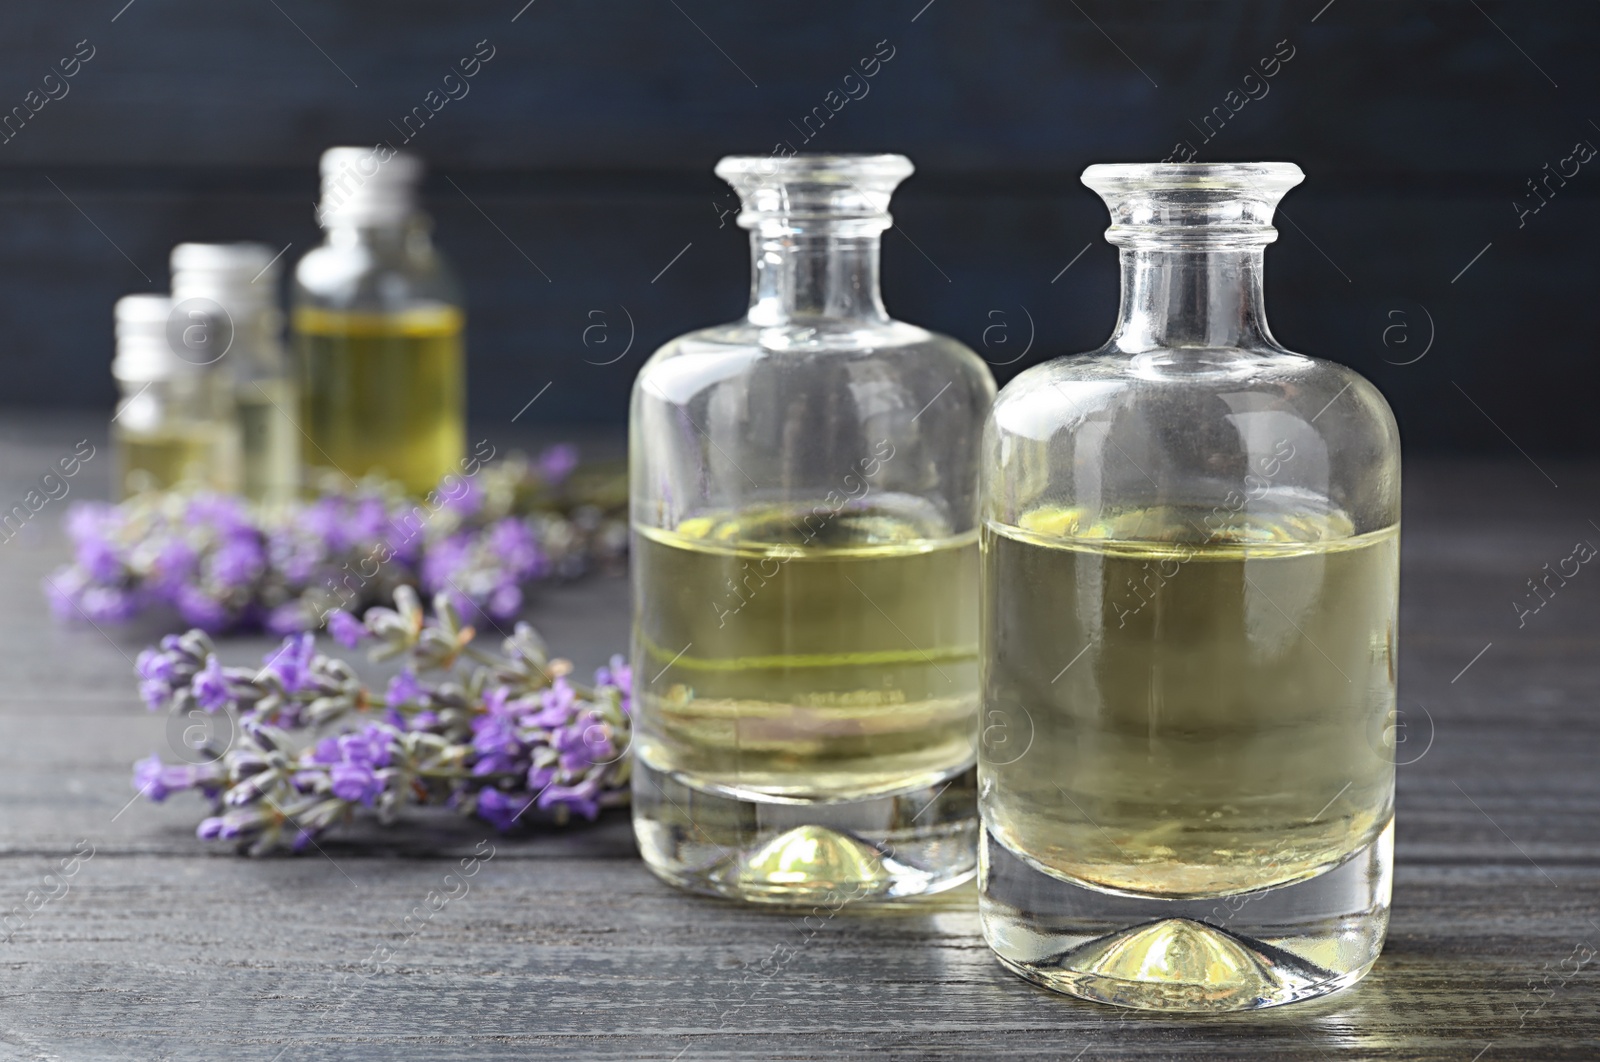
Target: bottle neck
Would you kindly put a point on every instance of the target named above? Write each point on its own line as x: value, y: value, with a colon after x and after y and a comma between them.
x: 798, y: 277
x: 1191, y: 298
x: 396, y: 236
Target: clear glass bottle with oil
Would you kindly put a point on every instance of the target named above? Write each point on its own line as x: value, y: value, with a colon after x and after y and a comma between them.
x: 377, y: 324
x: 174, y: 427
x: 229, y: 291
x: 804, y: 508
x: 1190, y: 576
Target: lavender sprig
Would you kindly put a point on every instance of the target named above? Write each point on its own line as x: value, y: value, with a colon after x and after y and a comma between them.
x: 498, y: 736
x: 221, y: 565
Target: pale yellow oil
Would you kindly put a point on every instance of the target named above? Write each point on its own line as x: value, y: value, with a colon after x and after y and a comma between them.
x: 187, y: 456
x: 804, y: 657
x: 381, y: 394
x: 269, y: 451
x: 1204, y: 703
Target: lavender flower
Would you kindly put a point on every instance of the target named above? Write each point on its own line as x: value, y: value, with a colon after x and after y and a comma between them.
x: 215, y: 563
x: 501, y: 811
x: 497, y: 737
x: 211, y: 686
x: 557, y: 463
x: 355, y: 762
x: 291, y: 663
x: 158, y: 781
x: 345, y: 628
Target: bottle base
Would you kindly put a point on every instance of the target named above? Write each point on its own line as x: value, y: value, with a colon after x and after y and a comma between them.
x: 1245, y: 951
x: 914, y: 842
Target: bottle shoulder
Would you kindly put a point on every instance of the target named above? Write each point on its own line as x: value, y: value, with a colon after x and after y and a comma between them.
x: 1190, y: 384
x: 1266, y: 435
x: 359, y: 277
x: 823, y: 352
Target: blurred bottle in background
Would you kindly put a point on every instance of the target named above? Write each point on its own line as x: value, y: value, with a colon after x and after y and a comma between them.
x: 378, y: 329
x: 174, y: 425
x: 236, y: 285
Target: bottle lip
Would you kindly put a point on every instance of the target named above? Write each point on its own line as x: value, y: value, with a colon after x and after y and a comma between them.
x: 1192, y: 205
x: 1263, y: 178
x: 841, y: 167
x: 793, y: 194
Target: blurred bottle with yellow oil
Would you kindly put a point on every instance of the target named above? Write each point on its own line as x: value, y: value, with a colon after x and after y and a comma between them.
x: 174, y: 424
x: 377, y: 324
x: 231, y: 289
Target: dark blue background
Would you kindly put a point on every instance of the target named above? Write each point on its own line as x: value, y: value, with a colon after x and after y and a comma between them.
x: 588, y: 140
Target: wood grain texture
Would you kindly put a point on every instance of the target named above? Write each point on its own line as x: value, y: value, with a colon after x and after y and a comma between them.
x: 566, y: 947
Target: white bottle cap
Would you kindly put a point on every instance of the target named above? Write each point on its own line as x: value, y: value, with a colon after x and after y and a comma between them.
x: 242, y: 277
x: 368, y: 186
x: 143, y: 353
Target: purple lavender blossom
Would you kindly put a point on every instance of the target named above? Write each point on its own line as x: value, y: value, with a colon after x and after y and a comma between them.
x: 557, y: 463
x: 505, y: 601
x: 617, y: 673
x: 231, y: 826
x: 405, y: 689
x: 355, y: 762
x: 345, y: 628
x: 91, y: 519
x: 156, y: 670
x: 466, y: 501
x: 211, y: 685
x: 104, y: 604
x: 557, y: 704
x: 368, y: 521
x: 494, y: 734
x: 445, y: 560
x: 200, y: 609
x: 512, y: 541
x: 355, y: 782
x: 62, y: 590
x: 369, y: 746
x: 324, y: 520
x: 238, y: 562
x: 158, y: 780
x: 175, y: 564
x: 221, y: 511
x: 582, y: 798
x: 222, y: 565
x: 576, y: 747
x: 99, y: 558
x: 286, y: 619
x: 292, y: 661
x: 501, y: 810
x: 492, y: 739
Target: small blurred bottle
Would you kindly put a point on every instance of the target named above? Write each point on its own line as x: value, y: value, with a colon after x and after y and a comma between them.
x: 235, y: 285
x: 378, y: 329
x: 174, y: 423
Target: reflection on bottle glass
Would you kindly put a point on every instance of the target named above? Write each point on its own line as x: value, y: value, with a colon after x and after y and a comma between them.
x: 268, y: 456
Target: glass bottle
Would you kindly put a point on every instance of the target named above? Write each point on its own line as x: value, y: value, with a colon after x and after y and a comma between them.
x: 804, y: 510
x: 174, y: 422
x: 233, y: 288
x: 1190, y: 577
x: 378, y: 326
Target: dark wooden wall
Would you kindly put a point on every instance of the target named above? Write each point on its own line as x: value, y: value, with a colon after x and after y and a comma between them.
x: 579, y: 165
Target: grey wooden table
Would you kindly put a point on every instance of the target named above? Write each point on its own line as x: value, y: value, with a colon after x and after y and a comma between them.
x: 165, y: 947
